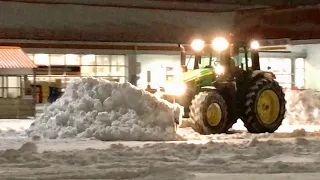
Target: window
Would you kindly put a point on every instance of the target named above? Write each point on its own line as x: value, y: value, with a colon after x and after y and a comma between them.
x: 103, y: 60
x: 72, y: 59
x: 13, y: 81
x: 41, y: 59
x: 299, y: 73
x: 281, y: 67
x: 64, y: 68
x: 264, y: 63
x: 103, y: 70
x: 110, y: 65
x: 244, y: 62
x: 56, y: 59
x: 88, y: 60
x: 13, y: 84
x: 117, y: 60
x: 88, y: 70
x: 118, y: 71
x: 2, y: 86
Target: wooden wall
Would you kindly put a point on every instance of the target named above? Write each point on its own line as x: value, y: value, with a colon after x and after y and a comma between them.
x: 15, y: 108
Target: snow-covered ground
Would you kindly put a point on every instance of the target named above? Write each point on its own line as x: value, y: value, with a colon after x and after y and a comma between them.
x: 243, y: 156
x: 217, y: 156
x: 292, y: 153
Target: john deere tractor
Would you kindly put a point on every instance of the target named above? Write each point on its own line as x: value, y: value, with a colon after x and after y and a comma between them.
x: 215, y: 96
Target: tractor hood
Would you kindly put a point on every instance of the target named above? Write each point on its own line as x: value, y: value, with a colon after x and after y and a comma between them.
x: 178, y: 85
x: 195, y: 74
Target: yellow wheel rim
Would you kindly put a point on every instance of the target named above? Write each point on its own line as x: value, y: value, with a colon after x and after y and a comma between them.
x: 214, y: 114
x: 268, y: 106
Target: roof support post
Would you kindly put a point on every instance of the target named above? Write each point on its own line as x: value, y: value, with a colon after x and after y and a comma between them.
x: 132, y: 67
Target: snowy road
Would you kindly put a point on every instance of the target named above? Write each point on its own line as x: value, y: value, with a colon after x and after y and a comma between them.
x: 77, y: 159
x: 251, y: 156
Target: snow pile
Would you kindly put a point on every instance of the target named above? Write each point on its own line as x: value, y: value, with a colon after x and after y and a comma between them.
x: 303, y: 107
x: 107, y: 111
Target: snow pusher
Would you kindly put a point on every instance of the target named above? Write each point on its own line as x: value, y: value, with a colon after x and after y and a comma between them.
x: 227, y: 88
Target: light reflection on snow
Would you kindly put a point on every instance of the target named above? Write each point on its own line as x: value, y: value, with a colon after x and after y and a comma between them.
x: 203, y: 141
x: 15, y: 124
x: 291, y: 128
x: 284, y: 128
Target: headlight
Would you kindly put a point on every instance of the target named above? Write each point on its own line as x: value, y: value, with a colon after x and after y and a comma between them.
x: 197, y: 44
x: 219, y: 70
x: 175, y: 88
x: 255, y: 45
x: 220, y: 44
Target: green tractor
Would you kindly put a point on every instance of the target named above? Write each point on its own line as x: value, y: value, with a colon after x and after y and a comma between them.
x: 216, y: 96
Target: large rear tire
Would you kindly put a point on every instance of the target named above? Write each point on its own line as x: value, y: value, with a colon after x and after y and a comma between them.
x: 209, y: 113
x: 264, y: 106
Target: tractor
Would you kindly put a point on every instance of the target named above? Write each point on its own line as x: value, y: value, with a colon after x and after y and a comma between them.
x: 216, y: 95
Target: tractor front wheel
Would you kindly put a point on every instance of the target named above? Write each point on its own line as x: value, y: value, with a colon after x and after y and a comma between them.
x: 209, y: 113
x: 264, y: 107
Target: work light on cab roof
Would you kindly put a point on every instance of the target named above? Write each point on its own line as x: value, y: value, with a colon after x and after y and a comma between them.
x: 220, y: 44
x: 197, y: 45
x: 255, y: 45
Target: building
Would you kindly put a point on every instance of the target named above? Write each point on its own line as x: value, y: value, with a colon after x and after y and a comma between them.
x: 56, y: 66
x: 17, y: 95
x: 119, y: 40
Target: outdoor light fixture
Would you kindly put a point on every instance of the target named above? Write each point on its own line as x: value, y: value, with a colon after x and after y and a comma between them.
x: 220, y: 44
x: 197, y: 45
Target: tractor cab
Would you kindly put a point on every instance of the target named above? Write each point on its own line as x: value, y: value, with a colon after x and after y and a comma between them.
x: 229, y: 57
x: 213, y: 64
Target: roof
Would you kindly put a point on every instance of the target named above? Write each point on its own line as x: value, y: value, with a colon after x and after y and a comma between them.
x: 14, y: 58
x: 146, y: 21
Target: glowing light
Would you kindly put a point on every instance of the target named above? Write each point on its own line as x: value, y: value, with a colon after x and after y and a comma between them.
x: 220, y: 44
x: 197, y: 44
x: 175, y: 88
x: 219, y: 70
x: 177, y: 72
x: 255, y: 45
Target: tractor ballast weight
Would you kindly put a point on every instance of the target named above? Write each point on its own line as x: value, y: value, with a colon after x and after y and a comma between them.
x: 216, y: 96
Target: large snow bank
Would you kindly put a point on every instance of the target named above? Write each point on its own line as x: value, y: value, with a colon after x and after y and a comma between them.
x: 107, y: 111
x: 303, y: 107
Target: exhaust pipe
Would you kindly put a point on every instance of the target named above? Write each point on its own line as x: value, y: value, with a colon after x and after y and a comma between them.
x: 182, y: 55
x: 183, y: 58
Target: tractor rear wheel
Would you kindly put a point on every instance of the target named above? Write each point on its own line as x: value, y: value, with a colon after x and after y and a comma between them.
x: 264, y: 107
x: 209, y: 113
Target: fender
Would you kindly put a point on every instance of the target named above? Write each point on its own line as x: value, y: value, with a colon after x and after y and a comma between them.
x: 267, y: 74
